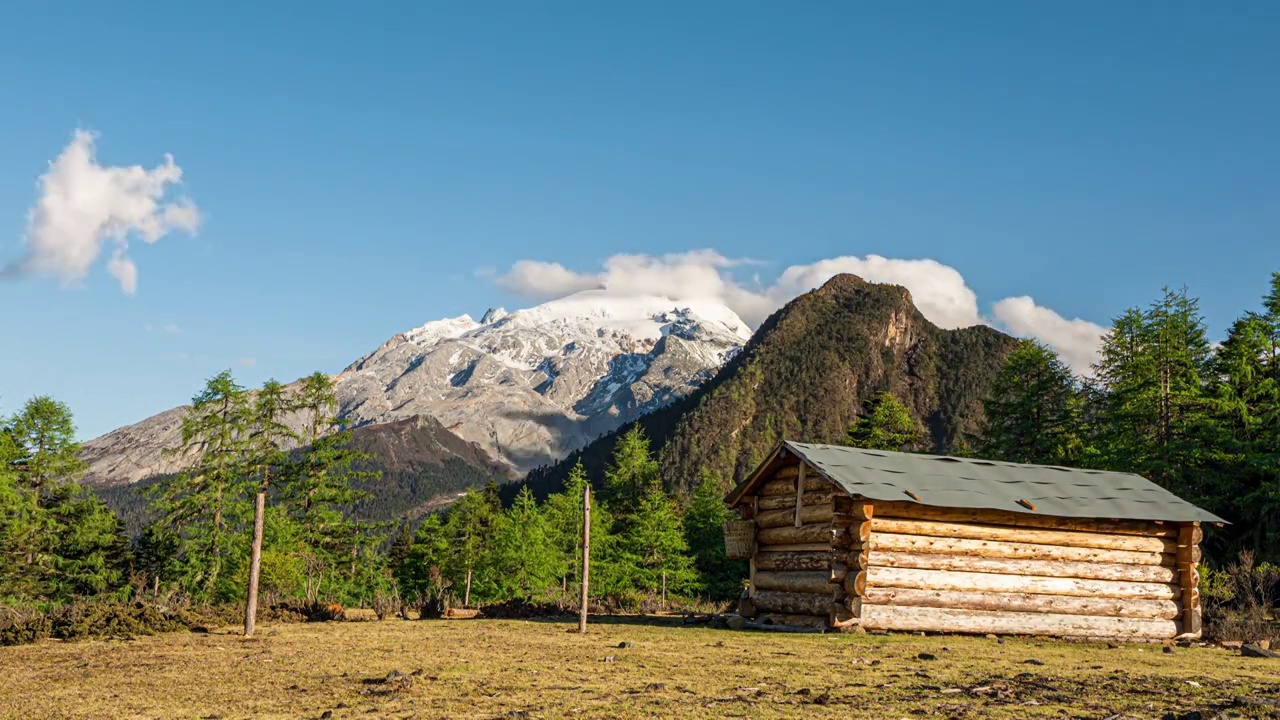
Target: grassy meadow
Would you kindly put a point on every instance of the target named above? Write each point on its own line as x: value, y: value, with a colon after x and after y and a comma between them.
x: 534, y: 669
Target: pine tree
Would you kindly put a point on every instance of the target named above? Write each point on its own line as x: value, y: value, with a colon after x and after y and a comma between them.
x: 886, y: 425
x: 654, y: 543
x: 525, y: 561
x: 1155, y: 415
x: 197, y: 504
x: 317, y: 488
x: 1033, y: 414
x: 268, y: 435
x: 563, y: 511
x: 419, y: 576
x: 704, y: 522
x: 633, y: 474
x: 469, y: 529
x: 45, y: 433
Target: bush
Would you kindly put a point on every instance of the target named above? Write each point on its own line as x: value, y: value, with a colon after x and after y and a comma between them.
x: 1239, y: 601
x: 81, y: 620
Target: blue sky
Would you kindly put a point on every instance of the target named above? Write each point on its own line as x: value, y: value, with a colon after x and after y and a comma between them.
x: 360, y: 170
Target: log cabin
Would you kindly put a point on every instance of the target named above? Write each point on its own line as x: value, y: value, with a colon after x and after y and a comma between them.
x: 841, y: 538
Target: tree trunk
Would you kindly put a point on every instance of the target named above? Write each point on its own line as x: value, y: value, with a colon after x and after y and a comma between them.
x: 255, y: 562
x: 466, y: 594
x: 586, y: 556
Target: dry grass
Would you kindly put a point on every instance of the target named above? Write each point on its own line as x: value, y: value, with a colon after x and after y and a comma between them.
x: 517, y: 669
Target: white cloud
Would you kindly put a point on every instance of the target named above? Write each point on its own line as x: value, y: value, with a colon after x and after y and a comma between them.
x: 1076, y: 341
x: 543, y: 280
x: 939, y: 291
x: 84, y: 205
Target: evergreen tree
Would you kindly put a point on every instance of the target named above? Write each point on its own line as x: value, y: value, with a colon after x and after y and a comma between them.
x: 419, y: 576
x: 654, y: 544
x: 704, y: 533
x: 563, y: 511
x: 525, y: 561
x: 268, y: 435
x: 1156, y: 418
x: 469, y: 531
x: 45, y: 432
x: 633, y: 474
x: 87, y: 545
x: 1033, y: 414
x: 197, y: 504
x: 317, y: 487
x: 886, y: 425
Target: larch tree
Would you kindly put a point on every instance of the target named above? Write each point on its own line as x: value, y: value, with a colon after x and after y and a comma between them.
x: 1034, y: 410
x: 632, y: 474
x: 195, y: 504
x: 704, y: 521
x: 654, y: 543
x: 268, y: 437
x: 45, y: 433
x: 886, y: 425
x: 318, y: 487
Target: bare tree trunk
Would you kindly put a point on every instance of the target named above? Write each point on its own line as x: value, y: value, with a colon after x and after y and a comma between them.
x: 155, y: 588
x: 466, y: 597
x: 255, y: 562
x: 586, y: 556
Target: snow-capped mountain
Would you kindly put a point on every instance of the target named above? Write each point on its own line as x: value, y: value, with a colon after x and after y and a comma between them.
x: 527, y: 386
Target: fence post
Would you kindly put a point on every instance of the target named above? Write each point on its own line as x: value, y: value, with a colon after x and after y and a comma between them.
x: 586, y: 555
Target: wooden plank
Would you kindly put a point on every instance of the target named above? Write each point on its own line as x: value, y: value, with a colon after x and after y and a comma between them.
x: 787, y: 516
x: 916, y: 511
x: 891, y: 617
x: 806, y: 581
x: 993, y: 582
x: 1189, y: 537
x: 1065, y: 538
x: 1026, y: 551
x: 789, y: 502
x: 1025, y: 602
x: 774, y: 601
x: 812, y: 533
x: 820, y: 560
x: 1051, y: 568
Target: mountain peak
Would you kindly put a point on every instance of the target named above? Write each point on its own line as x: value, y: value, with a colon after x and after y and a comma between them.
x: 493, y: 315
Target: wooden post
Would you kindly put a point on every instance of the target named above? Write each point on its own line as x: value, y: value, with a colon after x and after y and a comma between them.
x: 664, y: 589
x: 751, y: 563
x: 586, y: 556
x: 466, y: 596
x: 155, y: 588
x: 799, y: 493
x: 1189, y: 537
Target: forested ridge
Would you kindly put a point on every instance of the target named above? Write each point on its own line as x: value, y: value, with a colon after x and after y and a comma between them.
x: 806, y: 374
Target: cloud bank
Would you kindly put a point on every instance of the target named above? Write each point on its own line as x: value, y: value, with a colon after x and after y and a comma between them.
x: 939, y: 291
x: 84, y: 206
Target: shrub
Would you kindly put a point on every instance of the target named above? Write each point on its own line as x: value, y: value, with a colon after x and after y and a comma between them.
x: 1239, y: 601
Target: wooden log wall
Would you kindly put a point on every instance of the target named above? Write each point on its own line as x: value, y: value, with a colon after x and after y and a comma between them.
x: 791, y: 570
x: 944, y: 570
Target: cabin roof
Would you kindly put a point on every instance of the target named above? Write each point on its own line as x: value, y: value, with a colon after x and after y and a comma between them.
x: 953, y: 482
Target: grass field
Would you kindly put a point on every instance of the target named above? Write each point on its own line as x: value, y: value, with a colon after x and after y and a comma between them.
x: 531, y: 669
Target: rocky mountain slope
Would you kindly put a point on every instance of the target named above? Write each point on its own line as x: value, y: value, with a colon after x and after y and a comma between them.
x: 525, y: 387
x: 422, y: 466
x: 806, y: 374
